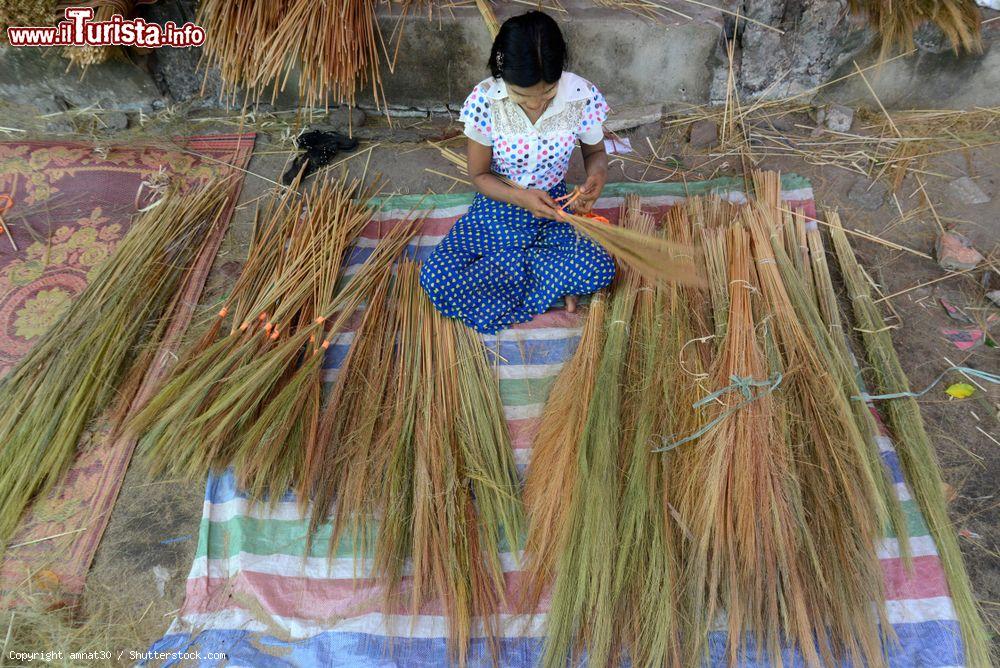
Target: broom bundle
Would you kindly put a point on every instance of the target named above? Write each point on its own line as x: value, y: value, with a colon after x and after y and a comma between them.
x: 72, y: 373
x: 332, y: 47
x: 85, y: 56
x: 771, y: 497
x: 896, y: 22
x: 595, y: 493
x: 414, y: 436
x: 250, y: 397
x: 913, y: 446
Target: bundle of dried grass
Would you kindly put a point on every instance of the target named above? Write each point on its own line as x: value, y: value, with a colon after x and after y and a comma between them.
x: 236, y: 31
x: 414, y: 435
x: 595, y: 492
x: 259, y: 384
x: 72, y: 374
x: 652, y: 256
x: 841, y: 486
x: 916, y: 453
x: 897, y: 22
x: 737, y: 496
x: 332, y: 47
x: 85, y: 56
x: 548, y: 496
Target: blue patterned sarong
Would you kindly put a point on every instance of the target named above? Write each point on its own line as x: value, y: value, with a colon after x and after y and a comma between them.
x: 500, y: 265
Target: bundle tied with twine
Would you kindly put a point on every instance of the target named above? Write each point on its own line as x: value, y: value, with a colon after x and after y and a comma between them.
x: 414, y: 440
x: 916, y: 452
x: 104, y: 341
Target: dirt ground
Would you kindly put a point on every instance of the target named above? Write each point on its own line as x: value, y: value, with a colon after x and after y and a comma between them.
x: 150, y: 542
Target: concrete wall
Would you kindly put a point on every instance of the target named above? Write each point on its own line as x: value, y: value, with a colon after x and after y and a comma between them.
x: 635, y: 61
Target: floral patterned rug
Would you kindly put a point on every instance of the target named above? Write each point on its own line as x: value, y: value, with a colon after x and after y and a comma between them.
x: 72, y: 203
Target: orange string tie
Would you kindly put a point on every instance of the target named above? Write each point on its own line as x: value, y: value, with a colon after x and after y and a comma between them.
x: 326, y: 344
x: 598, y: 219
x: 320, y: 320
x: 274, y: 334
x: 268, y: 326
x: 224, y: 312
x: 263, y: 316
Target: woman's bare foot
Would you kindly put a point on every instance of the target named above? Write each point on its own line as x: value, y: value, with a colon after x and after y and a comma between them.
x: 570, y: 303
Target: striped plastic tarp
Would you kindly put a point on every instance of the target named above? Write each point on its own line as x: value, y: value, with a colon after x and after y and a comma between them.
x: 255, y: 594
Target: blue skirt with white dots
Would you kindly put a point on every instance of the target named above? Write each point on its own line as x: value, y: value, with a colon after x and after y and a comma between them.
x: 500, y: 265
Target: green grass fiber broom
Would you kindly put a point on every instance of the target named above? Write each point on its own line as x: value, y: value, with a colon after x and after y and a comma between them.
x: 72, y: 373
x: 916, y: 453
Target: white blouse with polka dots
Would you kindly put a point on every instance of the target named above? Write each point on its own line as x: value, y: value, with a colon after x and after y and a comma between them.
x: 535, y: 155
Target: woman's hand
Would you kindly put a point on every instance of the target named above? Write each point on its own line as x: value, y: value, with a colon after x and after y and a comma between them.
x: 539, y: 204
x: 590, y: 191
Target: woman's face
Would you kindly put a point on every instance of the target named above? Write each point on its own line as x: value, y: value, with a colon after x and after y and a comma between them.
x: 534, y: 98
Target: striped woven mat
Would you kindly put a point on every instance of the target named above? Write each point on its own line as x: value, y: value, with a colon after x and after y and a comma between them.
x: 255, y: 595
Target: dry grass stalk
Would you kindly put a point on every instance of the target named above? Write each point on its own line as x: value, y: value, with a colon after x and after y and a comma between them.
x: 913, y: 445
x: 72, y: 374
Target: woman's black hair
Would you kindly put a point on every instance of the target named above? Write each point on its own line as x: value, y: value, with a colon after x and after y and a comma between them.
x: 528, y: 49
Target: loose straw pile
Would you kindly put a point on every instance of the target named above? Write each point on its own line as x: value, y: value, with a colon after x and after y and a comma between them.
x: 106, y: 337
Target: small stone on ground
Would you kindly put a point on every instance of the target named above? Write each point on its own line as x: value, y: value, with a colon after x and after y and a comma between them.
x: 955, y: 252
x: 838, y: 118
x: 967, y: 191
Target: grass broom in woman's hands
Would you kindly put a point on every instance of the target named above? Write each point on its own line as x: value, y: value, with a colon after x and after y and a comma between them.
x: 71, y: 374
x: 652, y: 256
x: 916, y: 453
